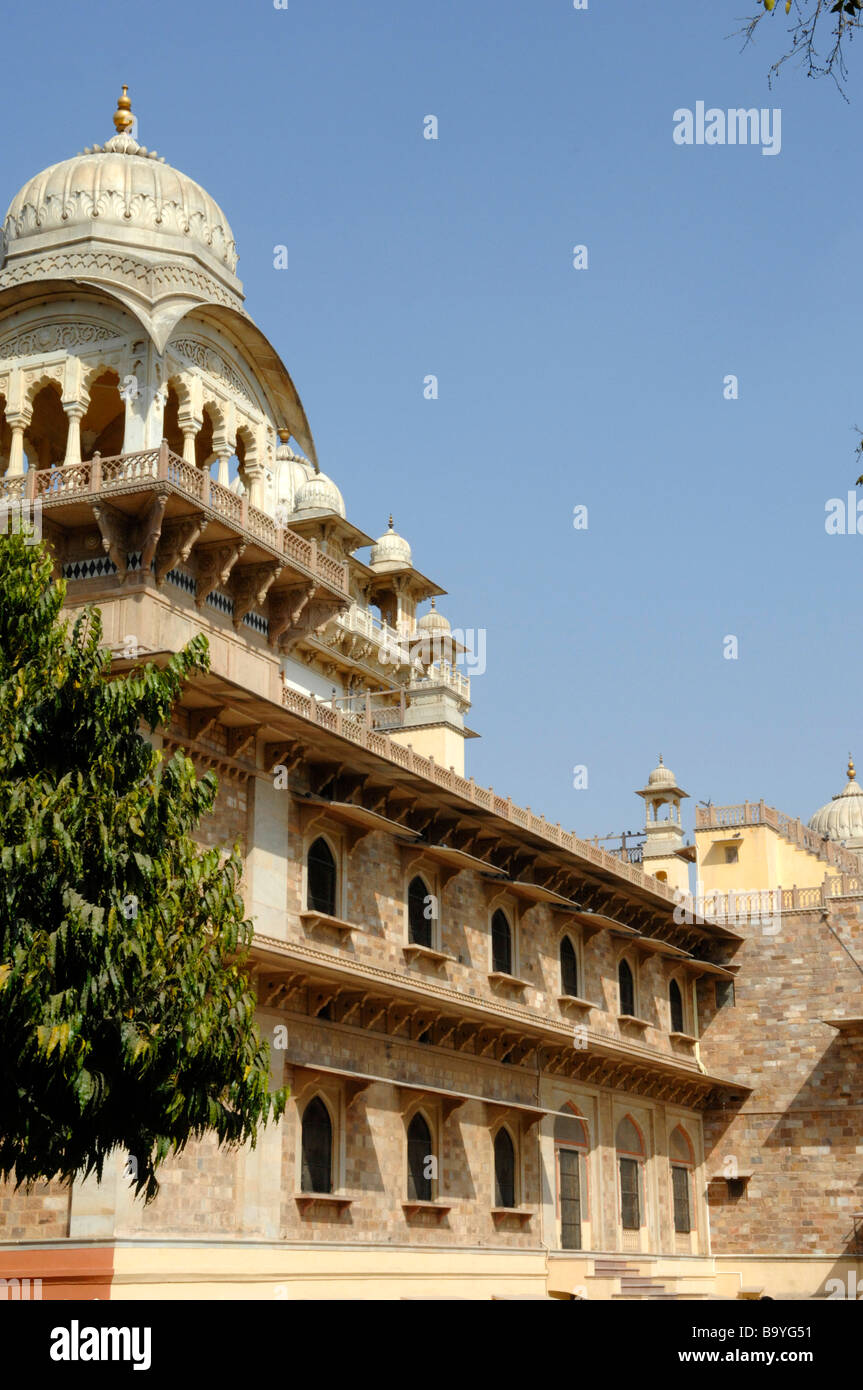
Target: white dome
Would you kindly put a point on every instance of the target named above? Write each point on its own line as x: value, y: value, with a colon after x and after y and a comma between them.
x: 125, y: 196
x: 390, y: 551
x: 319, y: 494
x: 661, y: 776
x: 433, y: 621
x: 842, y: 818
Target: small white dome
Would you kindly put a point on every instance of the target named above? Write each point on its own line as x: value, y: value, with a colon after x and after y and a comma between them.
x: 433, y: 621
x: 391, y: 551
x: 319, y: 494
x: 842, y: 818
x: 661, y: 776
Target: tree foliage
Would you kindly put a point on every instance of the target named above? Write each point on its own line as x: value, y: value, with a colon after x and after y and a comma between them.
x: 126, y: 1015
x: 818, y: 34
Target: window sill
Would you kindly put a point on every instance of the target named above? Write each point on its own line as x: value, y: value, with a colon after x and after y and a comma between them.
x: 523, y: 1214
x: 683, y: 1038
x: 636, y: 1022
x: 572, y: 1001
x: 411, y: 1208
x: 307, y: 1200
x: 500, y: 977
x: 323, y: 919
x: 425, y: 953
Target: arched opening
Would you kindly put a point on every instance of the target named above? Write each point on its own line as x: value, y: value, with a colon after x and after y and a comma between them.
x: 501, y: 943
x: 317, y: 1148
x: 45, y: 436
x: 420, y: 1160
x: 630, y: 1159
x: 626, y: 988
x: 321, y: 878
x: 662, y: 876
x: 204, y: 437
x: 568, y: 968
x: 675, y: 1005
x: 682, y: 1165
x: 419, y: 915
x: 171, y: 422
x: 104, y: 424
x: 504, y: 1169
x: 570, y: 1142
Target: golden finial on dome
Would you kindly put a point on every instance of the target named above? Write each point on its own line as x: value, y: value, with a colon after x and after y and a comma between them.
x: 391, y: 521
x: 284, y: 435
x: 123, y: 118
x: 851, y: 773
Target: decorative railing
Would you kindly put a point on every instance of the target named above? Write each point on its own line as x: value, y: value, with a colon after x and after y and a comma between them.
x: 789, y: 827
x: 773, y: 901
x: 442, y: 673
x: 361, y: 733
x: 121, y: 471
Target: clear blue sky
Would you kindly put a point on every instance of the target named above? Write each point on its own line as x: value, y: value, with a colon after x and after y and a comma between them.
x: 557, y: 387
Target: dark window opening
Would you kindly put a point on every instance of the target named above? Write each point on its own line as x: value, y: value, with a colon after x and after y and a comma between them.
x: 420, y: 1160
x: 504, y: 1170
x: 568, y: 968
x: 675, y: 1000
x: 321, y: 879
x: 419, y: 913
x: 317, y: 1175
x: 626, y: 986
x: 630, y: 1206
x: 501, y: 943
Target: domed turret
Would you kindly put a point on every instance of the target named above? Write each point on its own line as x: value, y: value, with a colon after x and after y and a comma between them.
x: 319, y: 494
x: 842, y: 818
x: 433, y: 621
x: 122, y: 196
x: 390, y: 551
x: 661, y: 776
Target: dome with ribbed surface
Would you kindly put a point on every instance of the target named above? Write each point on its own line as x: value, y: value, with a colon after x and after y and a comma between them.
x: 661, y: 776
x: 390, y: 551
x: 320, y: 494
x: 842, y: 818
x: 433, y: 621
x: 120, y: 193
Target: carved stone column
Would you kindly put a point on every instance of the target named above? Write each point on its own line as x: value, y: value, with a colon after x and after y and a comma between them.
x: 224, y: 458
x: 17, y: 421
x: 75, y: 411
x: 190, y: 426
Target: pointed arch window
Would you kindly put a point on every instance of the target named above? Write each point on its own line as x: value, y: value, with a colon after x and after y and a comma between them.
x: 321, y: 878
x: 570, y: 1142
x: 504, y: 1169
x: 626, y: 988
x: 682, y: 1164
x: 317, y: 1148
x: 419, y: 915
x: 675, y: 1004
x: 568, y: 968
x: 630, y: 1160
x: 501, y: 943
x: 420, y: 1160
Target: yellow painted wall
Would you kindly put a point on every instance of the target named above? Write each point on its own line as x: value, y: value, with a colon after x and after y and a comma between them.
x: 765, y: 860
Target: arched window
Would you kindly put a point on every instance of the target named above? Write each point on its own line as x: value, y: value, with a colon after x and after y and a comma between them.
x: 626, y: 986
x: 630, y: 1156
x: 420, y: 1160
x: 501, y: 943
x: 419, y: 914
x: 680, y: 1153
x: 504, y: 1169
x: 568, y: 968
x: 570, y: 1142
x: 321, y: 892
x: 317, y: 1173
x: 675, y: 1001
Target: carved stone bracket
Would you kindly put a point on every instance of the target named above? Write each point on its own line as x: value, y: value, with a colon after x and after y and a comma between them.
x: 298, y: 612
x: 250, y: 587
x: 114, y: 530
x: 176, y: 543
x: 149, y: 530
x: 213, y: 565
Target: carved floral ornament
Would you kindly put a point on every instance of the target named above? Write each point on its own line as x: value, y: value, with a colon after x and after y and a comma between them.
x: 56, y: 337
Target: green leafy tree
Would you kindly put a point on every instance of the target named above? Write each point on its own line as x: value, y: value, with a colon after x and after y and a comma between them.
x: 126, y: 1014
